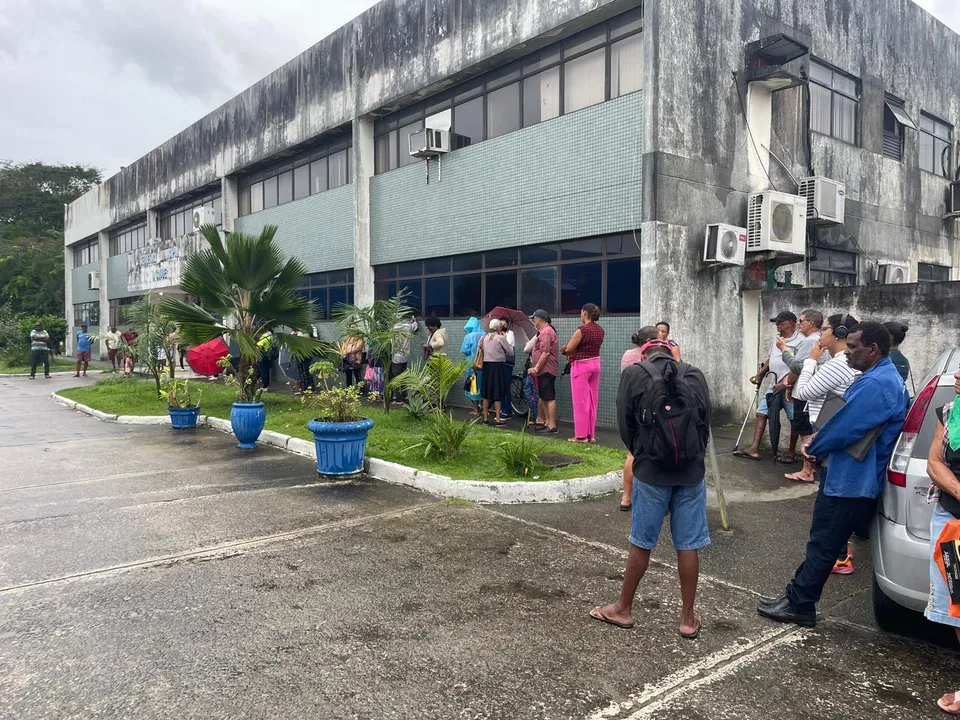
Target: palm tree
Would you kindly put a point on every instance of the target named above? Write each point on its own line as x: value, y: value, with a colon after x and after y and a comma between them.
x: 245, y: 288
x: 382, y: 330
x: 432, y: 380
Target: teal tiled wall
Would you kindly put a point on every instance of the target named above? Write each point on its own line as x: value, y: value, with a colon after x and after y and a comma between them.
x: 573, y: 176
x: 117, y: 278
x: 317, y: 229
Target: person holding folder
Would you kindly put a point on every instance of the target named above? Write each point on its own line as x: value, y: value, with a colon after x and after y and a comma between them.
x: 857, y: 443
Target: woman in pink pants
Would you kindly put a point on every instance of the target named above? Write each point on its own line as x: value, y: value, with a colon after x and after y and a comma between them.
x: 583, y: 352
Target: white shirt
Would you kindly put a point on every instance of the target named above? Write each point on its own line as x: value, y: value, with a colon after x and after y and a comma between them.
x: 778, y: 367
x: 815, y: 382
x: 511, y: 338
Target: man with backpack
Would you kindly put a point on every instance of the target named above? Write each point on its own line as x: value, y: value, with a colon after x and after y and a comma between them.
x: 663, y: 411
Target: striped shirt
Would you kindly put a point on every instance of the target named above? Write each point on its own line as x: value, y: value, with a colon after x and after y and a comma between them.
x: 817, y: 381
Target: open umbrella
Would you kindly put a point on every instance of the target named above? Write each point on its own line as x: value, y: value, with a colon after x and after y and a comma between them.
x: 522, y: 328
x: 204, y: 358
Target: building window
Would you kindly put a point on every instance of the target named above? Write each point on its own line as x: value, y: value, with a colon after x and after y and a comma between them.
x: 177, y: 220
x: 895, y: 123
x: 312, y: 172
x: 327, y: 290
x: 833, y: 268
x: 86, y: 313
x: 928, y: 272
x: 834, y: 103
x: 558, y: 277
x: 119, y: 309
x: 127, y: 239
x: 86, y: 253
x: 936, y: 138
x: 597, y: 64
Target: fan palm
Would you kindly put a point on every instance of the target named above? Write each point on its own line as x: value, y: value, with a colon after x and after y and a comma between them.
x: 245, y: 288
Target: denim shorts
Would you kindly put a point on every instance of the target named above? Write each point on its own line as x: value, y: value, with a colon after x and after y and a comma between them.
x: 687, y: 506
x: 762, y: 410
x: 938, y: 605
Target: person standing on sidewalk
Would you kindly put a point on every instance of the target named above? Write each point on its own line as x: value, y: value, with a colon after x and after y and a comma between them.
x: 84, y: 348
x: 875, y: 403
x: 495, y: 350
x: 39, y: 350
x: 583, y: 352
x: 546, y: 366
x: 508, y: 367
x: 631, y: 357
x: 112, y: 339
x: 663, y: 412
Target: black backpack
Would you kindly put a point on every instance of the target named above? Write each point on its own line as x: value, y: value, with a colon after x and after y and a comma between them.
x: 672, y: 428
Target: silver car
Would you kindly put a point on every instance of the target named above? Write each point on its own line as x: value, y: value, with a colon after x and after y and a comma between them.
x: 900, y: 535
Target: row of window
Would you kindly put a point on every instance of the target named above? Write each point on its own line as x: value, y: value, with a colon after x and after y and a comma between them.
x: 835, y: 109
x: 598, y: 64
x: 835, y: 268
x: 127, y: 239
x: 177, y: 220
x: 327, y: 290
x: 311, y: 173
x: 928, y: 272
x: 559, y: 278
x: 86, y: 313
x: 119, y: 308
x: 86, y: 253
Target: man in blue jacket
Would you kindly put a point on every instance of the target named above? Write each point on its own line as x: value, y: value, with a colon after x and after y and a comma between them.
x: 848, y: 494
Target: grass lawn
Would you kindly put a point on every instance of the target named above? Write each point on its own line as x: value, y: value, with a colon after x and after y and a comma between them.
x: 56, y: 365
x: 389, y: 439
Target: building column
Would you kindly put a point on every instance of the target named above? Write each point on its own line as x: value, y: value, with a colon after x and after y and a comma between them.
x: 103, y: 238
x: 68, y: 298
x: 229, y: 201
x: 363, y: 170
x: 153, y: 228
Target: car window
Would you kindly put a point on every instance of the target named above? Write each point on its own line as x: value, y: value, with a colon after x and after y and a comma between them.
x: 941, y: 397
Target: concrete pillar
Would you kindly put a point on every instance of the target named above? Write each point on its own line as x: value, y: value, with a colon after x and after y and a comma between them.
x: 230, y: 202
x: 363, y: 170
x: 68, y: 297
x: 103, y: 238
x: 153, y: 227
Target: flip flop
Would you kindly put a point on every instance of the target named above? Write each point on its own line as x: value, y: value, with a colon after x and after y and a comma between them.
x: 604, y: 619
x: 695, y: 634
x: 745, y: 455
x: 581, y: 441
x: 795, y: 477
x: 785, y: 460
x: 945, y: 706
x: 626, y: 508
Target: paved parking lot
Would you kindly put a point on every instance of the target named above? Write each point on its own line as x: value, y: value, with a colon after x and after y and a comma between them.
x: 154, y: 575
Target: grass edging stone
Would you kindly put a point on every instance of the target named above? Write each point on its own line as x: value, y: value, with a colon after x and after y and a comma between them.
x: 490, y: 491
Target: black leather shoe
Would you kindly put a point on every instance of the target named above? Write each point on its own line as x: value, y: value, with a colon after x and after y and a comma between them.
x: 783, y: 612
x: 768, y: 601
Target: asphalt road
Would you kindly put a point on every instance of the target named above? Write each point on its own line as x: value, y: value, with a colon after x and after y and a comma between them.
x: 149, y: 574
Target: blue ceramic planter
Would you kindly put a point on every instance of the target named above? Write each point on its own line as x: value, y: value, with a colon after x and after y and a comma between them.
x: 247, y: 420
x: 340, y: 446
x: 183, y: 418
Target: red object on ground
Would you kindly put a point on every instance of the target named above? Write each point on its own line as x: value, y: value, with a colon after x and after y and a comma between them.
x: 204, y: 358
x: 522, y: 328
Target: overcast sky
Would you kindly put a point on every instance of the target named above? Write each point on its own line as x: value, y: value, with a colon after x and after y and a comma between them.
x: 102, y: 82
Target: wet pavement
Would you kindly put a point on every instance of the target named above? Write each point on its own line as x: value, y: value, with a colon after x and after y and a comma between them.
x: 150, y: 574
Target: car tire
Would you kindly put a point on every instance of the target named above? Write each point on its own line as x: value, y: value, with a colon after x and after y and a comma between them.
x: 889, y: 615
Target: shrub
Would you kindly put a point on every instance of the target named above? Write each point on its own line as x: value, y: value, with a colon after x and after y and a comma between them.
x: 443, y: 437
x: 519, y: 456
x: 177, y: 394
x: 332, y: 403
x: 417, y: 407
x: 15, y: 335
x: 432, y: 380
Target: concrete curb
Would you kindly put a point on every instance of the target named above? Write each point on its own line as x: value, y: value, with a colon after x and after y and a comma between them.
x: 58, y: 373
x: 492, y: 492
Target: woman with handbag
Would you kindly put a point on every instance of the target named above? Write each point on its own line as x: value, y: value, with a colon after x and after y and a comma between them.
x: 495, y: 349
x: 943, y: 467
x: 470, y: 349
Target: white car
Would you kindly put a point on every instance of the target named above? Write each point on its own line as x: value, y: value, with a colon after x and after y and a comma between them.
x: 900, y: 534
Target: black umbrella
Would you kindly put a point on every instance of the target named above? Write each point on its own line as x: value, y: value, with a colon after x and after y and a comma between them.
x: 777, y: 403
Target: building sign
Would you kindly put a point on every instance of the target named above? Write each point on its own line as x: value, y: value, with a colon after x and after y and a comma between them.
x: 159, y: 264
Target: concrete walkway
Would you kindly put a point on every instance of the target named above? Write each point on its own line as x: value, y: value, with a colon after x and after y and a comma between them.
x: 150, y: 574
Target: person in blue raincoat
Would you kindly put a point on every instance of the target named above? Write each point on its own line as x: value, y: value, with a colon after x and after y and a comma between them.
x: 468, y: 348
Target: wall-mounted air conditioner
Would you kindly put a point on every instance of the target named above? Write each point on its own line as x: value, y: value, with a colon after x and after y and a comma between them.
x: 890, y: 272
x: 825, y: 200
x: 428, y: 143
x: 725, y: 244
x: 953, y: 202
x: 93, y: 280
x: 777, y: 222
x: 203, y: 216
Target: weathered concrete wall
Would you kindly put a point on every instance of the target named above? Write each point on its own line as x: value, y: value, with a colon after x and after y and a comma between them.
x: 395, y: 52
x: 931, y: 310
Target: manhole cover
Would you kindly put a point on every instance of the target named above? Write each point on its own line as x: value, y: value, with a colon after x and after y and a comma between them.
x: 556, y: 460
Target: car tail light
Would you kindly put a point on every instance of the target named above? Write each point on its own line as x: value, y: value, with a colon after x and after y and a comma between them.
x: 897, y: 470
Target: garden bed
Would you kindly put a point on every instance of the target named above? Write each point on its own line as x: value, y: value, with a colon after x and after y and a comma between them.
x: 390, y: 439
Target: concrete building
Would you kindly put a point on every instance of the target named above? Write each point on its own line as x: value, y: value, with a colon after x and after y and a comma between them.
x: 593, y: 141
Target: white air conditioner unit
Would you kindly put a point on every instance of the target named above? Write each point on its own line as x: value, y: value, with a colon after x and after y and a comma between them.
x: 93, y: 280
x: 825, y: 200
x: 203, y: 216
x: 953, y: 202
x: 429, y: 143
x: 890, y: 272
x: 777, y: 222
x: 725, y: 244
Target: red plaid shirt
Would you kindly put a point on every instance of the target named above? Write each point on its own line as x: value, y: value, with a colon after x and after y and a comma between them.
x: 591, y: 338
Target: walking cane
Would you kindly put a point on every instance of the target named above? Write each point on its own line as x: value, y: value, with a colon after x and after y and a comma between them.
x: 756, y: 401
x: 715, y: 469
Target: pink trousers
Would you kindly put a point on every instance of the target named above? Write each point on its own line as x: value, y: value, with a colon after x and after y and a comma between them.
x: 585, y: 388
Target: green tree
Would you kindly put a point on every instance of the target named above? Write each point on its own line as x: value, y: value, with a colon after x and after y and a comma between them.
x: 246, y: 288
x: 32, y: 195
